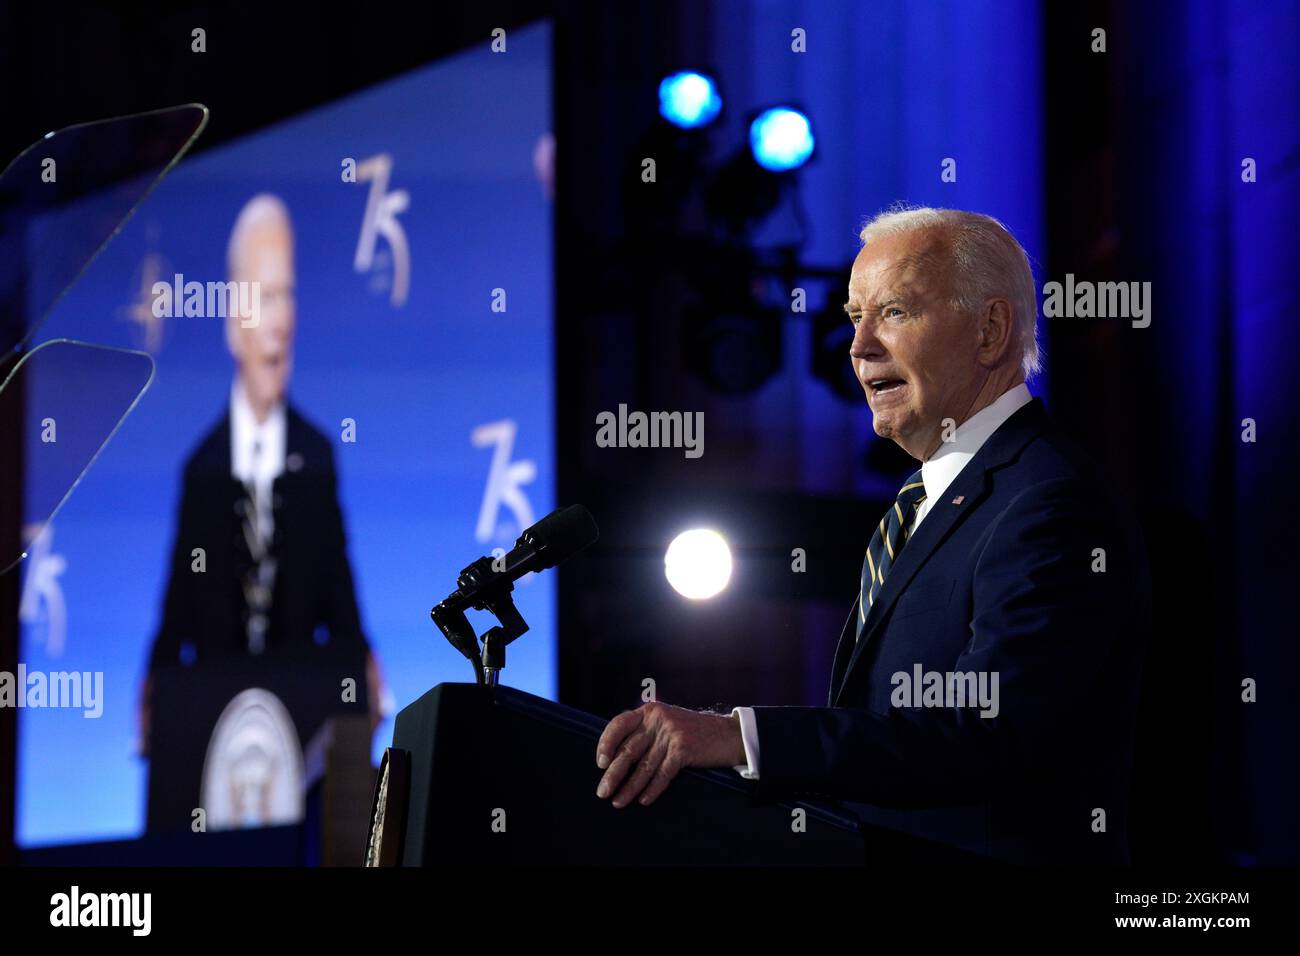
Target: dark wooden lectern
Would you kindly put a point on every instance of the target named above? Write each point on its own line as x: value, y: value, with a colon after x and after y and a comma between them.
x: 498, y: 776
x: 187, y: 702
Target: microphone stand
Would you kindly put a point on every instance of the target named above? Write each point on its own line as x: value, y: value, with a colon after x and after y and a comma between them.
x: 493, y: 596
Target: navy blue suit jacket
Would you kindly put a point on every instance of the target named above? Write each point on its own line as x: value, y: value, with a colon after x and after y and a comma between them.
x: 1003, y: 576
x: 314, y: 600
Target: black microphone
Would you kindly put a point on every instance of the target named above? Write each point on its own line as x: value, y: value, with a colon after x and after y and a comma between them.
x: 562, y: 533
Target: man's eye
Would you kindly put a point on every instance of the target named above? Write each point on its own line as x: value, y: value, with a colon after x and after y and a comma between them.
x: 855, y: 317
x: 893, y: 312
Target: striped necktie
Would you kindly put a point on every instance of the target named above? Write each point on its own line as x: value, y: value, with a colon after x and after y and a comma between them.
x: 886, y: 543
x: 258, y: 579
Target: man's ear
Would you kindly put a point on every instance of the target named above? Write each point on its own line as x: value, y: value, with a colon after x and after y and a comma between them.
x: 996, y: 332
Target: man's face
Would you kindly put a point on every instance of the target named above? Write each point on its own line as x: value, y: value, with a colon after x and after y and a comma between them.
x: 264, y: 351
x: 915, y: 356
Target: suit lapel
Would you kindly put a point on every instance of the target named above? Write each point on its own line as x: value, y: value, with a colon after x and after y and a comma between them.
x: 841, y: 659
x: 286, y: 489
x: 960, y: 499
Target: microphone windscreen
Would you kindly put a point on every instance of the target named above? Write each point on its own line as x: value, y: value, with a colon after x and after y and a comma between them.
x: 563, y: 532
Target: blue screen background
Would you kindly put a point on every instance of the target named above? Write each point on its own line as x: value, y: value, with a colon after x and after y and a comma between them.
x: 417, y: 379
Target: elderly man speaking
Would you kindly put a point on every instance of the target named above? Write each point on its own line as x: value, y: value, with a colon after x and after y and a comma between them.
x: 984, y: 688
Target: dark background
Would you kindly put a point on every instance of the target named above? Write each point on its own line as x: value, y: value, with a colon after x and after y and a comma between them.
x: 1140, y: 183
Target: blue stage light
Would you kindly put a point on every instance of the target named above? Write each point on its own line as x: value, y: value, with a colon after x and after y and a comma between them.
x: 689, y: 100
x: 781, y: 139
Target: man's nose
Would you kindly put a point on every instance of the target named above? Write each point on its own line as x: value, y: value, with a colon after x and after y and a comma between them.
x: 277, y: 314
x: 865, y: 344
x: 273, y: 330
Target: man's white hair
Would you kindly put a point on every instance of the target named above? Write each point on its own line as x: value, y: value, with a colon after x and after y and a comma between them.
x: 987, y: 262
x: 263, y: 209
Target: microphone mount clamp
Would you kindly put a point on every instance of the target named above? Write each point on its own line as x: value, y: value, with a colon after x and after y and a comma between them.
x: 493, y: 595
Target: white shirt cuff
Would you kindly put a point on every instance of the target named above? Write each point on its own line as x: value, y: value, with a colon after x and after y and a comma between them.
x: 749, y: 735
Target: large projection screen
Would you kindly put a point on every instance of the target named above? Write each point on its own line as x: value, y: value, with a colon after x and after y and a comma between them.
x: 422, y: 351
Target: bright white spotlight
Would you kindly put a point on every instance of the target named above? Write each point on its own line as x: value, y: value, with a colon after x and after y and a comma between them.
x: 698, y: 563
x: 689, y: 99
x: 781, y: 139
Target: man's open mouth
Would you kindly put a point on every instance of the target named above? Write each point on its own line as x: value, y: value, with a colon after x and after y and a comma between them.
x: 880, y: 386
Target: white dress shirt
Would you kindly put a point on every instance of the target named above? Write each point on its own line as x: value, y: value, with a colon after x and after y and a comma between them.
x: 937, y: 473
x: 257, y: 452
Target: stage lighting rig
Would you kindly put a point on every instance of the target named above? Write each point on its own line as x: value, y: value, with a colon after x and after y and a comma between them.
x: 689, y: 99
